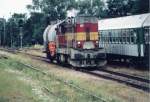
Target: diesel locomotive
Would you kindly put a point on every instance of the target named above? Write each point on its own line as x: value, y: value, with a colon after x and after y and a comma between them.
x: 75, y: 40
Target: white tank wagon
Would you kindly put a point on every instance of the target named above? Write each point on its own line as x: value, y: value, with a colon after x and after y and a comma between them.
x: 49, y: 35
x: 126, y: 37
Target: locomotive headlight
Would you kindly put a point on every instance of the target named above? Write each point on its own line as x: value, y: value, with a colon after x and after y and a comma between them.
x: 79, y: 42
x: 96, y: 44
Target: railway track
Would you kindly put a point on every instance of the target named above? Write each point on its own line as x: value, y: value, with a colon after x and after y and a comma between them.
x: 134, y: 77
x: 134, y: 81
x: 70, y: 84
x: 128, y: 79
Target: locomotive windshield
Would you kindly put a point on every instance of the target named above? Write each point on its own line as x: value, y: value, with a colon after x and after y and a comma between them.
x: 86, y: 19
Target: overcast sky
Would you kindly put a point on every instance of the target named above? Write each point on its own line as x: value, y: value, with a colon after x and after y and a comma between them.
x: 13, y: 6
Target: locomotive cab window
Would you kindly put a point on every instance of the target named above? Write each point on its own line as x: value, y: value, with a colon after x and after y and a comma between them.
x: 101, y: 37
x: 89, y: 19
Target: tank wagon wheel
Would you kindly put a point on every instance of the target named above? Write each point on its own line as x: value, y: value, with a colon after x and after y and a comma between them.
x: 62, y: 59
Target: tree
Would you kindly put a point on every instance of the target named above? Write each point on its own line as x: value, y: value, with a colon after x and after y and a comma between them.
x: 92, y: 7
x: 117, y: 8
x: 12, y: 30
x: 140, y: 6
x: 33, y: 29
x: 54, y: 9
x: 41, y: 13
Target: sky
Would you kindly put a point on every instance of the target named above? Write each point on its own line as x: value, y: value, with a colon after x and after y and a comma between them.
x: 8, y: 7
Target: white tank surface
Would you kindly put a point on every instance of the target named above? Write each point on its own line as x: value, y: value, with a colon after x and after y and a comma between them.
x: 46, y: 34
x: 50, y: 33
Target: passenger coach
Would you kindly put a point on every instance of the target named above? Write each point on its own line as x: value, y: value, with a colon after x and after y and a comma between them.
x: 126, y: 37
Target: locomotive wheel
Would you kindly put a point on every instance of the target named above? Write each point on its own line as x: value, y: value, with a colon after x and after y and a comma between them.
x: 62, y: 58
x: 49, y: 57
x: 58, y: 58
x: 68, y: 59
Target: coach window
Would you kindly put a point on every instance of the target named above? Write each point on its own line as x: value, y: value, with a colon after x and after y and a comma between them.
x: 123, y: 36
x: 114, y: 36
x: 117, y: 37
x: 106, y: 41
x: 128, y: 36
x: 147, y: 35
x: 104, y: 36
x: 110, y: 37
x: 133, y: 36
x: 101, y: 37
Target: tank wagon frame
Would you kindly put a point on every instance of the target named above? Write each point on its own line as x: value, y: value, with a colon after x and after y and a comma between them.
x: 126, y: 38
x: 75, y: 41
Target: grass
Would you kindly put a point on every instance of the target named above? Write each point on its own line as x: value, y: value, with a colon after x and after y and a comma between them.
x: 62, y: 93
x: 13, y: 90
x: 59, y: 90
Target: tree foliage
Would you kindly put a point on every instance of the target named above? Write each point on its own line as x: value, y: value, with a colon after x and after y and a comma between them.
x: 42, y: 12
x: 91, y: 7
x: 117, y: 8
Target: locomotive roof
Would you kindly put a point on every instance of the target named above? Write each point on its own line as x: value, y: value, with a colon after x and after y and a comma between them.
x: 134, y: 21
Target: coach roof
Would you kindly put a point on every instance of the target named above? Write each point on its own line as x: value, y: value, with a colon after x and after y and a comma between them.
x: 134, y: 21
